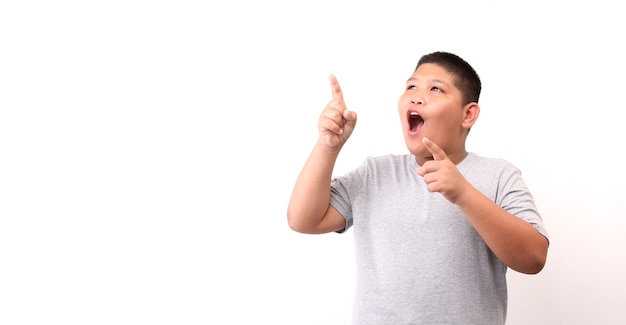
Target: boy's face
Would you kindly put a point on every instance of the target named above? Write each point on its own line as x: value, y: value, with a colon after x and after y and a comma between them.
x: 432, y: 107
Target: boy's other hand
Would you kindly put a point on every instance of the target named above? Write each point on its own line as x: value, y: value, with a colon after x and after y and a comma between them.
x: 441, y: 174
x: 336, y: 122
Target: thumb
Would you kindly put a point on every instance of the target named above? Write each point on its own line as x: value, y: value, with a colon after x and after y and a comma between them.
x: 350, y: 119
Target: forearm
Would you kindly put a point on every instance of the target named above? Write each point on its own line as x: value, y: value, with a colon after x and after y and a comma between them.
x: 311, y: 193
x: 514, y: 241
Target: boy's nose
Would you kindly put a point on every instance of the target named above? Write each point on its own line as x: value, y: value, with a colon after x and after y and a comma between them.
x: 417, y: 101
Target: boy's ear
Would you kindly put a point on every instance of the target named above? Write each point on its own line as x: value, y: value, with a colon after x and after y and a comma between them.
x: 471, y: 112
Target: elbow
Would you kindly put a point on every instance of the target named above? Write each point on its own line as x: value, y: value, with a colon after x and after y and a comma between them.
x: 314, y: 223
x: 535, y: 262
x: 295, y: 223
x: 529, y: 265
x: 303, y: 224
x: 291, y: 222
x: 535, y: 266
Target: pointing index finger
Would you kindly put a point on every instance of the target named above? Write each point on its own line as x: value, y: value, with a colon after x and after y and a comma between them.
x: 438, y: 153
x: 336, y: 89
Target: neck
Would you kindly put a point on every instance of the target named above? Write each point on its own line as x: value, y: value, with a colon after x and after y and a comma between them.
x: 455, y: 157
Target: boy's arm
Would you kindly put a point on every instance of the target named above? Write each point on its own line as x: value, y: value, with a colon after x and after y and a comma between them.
x: 513, y: 240
x: 309, y: 209
x: 516, y: 242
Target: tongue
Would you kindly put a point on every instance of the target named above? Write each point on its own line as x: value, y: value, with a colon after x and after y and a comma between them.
x: 416, y: 123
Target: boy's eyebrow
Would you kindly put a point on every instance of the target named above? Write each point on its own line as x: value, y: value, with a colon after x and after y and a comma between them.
x: 430, y: 80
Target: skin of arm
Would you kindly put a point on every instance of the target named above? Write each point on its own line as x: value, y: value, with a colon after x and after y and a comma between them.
x: 514, y: 241
x: 309, y: 209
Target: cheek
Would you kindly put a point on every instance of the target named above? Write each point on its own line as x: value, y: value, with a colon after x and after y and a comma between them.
x: 402, y: 108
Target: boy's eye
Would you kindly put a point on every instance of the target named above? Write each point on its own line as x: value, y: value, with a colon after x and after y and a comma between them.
x: 410, y: 87
x: 435, y: 89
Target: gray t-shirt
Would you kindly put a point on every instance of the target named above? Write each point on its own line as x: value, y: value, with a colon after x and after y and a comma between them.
x: 419, y: 260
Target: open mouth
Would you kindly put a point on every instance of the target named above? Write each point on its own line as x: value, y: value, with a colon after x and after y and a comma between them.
x: 416, y: 122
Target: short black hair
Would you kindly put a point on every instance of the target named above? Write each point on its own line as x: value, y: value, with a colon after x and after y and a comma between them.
x: 466, y: 80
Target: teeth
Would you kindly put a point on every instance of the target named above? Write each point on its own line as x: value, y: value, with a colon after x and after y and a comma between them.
x: 414, y: 114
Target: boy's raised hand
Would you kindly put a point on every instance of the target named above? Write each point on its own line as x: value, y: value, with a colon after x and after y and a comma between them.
x: 336, y: 122
x: 441, y: 174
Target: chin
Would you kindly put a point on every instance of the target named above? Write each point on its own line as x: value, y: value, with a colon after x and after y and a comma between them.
x: 417, y: 149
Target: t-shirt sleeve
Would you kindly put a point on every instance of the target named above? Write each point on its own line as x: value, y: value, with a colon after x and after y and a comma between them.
x: 515, y: 197
x: 342, y: 191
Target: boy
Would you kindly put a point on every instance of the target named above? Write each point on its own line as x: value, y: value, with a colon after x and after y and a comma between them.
x: 435, y: 229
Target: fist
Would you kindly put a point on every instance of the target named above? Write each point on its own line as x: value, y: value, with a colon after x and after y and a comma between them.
x: 336, y: 122
x: 441, y: 174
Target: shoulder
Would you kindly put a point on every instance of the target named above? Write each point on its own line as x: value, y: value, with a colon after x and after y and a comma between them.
x: 384, y: 166
x: 494, y: 177
x: 389, y: 161
x: 482, y: 162
x: 489, y: 169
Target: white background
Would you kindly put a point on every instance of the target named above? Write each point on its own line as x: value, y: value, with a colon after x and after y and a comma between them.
x: 148, y: 150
